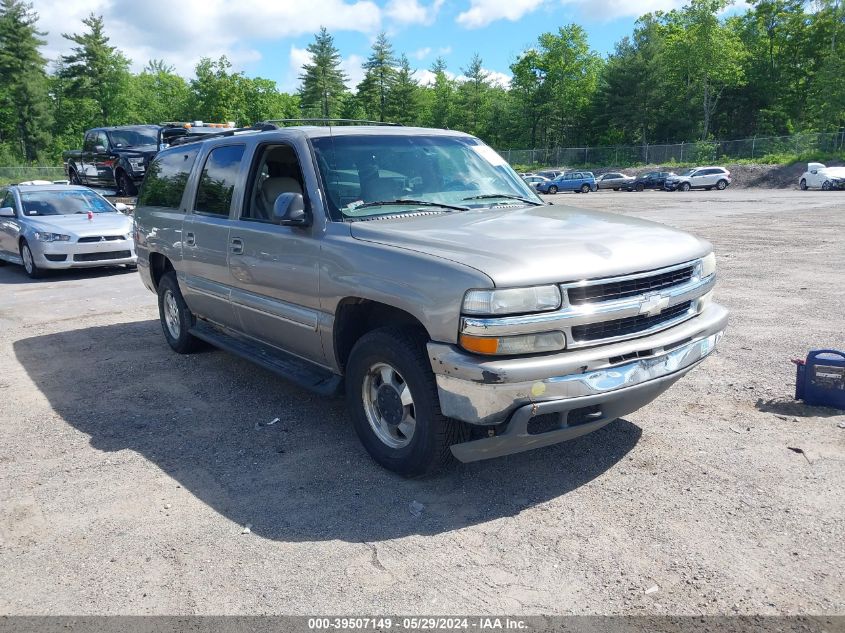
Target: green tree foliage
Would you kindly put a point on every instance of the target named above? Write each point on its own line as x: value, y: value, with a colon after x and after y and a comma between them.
x: 323, y: 81
x: 442, y: 95
x: 26, y: 115
x: 474, y: 96
x: 97, y: 72
x: 379, y: 79
x: 402, y: 100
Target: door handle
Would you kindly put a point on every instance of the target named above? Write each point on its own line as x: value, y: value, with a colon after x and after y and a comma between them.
x: 190, y: 239
x: 237, y: 246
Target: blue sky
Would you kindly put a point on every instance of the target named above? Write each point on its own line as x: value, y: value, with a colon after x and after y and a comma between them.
x: 269, y: 38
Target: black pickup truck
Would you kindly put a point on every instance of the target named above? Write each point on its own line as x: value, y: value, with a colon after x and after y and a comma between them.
x: 113, y: 157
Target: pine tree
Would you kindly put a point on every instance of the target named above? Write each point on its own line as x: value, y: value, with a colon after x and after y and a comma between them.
x: 402, y: 100
x: 323, y: 81
x: 474, y: 96
x: 98, y: 71
x: 23, y: 82
x: 441, y: 108
x: 379, y: 78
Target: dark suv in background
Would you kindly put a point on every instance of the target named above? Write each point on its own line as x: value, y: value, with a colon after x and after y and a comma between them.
x: 649, y: 180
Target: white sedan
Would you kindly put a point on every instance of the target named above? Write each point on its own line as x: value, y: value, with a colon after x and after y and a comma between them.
x: 818, y: 176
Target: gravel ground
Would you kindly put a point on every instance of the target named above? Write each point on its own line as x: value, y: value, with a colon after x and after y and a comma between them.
x: 128, y: 473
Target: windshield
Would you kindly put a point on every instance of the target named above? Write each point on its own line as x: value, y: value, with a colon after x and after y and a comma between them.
x: 459, y: 172
x: 687, y: 172
x: 37, y: 203
x: 133, y: 138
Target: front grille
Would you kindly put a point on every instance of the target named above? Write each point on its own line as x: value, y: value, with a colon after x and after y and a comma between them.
x: 99, y: 257
x: 628, y: 325
x: 628, y: 288
x: 101, y: 238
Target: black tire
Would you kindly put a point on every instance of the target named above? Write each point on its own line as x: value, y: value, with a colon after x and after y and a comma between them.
x: 552, y: 190
x: 722, y: 185
x: 404, y: 351
x: 826, y: 186
x: 29, y: 265
x: 585, y: 188
x: 616, y: 188
x: 639, y: 186
x: 125, y: 184
x: 803, y: 185
x: 684, y: 186
x: 181, y: 341
x: 73, y: 177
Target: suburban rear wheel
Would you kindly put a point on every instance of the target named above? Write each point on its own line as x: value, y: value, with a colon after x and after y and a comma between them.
x: 684, y: 186
x: 29, y: 264
x: 392, y: 398
x: 721, y: 185
x: 585, y: 188
x: 552, y: 189
x: 176, y: 318
x: 125, y: 184
x: 803, y: 185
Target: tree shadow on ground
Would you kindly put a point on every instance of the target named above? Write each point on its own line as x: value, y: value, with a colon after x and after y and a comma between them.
x: 794, y: 408
x: 207, y: 421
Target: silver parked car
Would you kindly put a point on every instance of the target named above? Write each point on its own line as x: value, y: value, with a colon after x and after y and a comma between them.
x: 699, y: 178
x: 49, y: 227
x: 416, y: 270
x: 614, y: 180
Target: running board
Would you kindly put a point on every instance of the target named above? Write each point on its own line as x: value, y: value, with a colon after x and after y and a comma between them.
x: 298, y: 371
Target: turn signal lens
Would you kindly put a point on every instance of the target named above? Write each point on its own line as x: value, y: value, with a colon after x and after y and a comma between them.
x: 513, y: 345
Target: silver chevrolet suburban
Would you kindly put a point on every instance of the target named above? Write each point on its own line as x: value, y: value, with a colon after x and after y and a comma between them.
x: 415, y: 270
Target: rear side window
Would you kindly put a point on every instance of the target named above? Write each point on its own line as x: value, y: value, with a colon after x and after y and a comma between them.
x: 217, y: 183
x: 166, y: 178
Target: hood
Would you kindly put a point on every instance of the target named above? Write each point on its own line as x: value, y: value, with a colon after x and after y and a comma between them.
x: 138, y: 150
x: 538, y: 245
x: 834, y: 172
x: 79, y: 225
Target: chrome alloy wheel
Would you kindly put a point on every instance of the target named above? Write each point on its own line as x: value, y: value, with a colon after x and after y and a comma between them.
x: 28, y: 263
x: 389, y: 405
x: 171, y: 315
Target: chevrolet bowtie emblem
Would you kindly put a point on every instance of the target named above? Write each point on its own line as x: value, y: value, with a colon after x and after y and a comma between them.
x: 654, y: 305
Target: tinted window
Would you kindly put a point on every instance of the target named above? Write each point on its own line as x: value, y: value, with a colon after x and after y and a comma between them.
x: 8, y: 199
x: 166, y: 178
x: 102, y: 139
x: 88, y: 144
x: 613, y: 176
x: 217, y: 183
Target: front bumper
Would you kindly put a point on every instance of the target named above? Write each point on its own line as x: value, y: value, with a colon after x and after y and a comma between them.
x: 64, y: 255
x: 614, y: 380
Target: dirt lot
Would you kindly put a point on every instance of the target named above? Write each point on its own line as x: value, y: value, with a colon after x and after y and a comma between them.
x: 128, y: 473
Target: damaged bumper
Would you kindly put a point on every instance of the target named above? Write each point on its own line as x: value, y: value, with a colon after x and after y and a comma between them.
x: 585, y: 389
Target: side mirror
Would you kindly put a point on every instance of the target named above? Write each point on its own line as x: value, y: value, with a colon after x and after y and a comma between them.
x: 100, y: 149
x: 289, y: 210
x: 120, y: 207
x: 7, y: 212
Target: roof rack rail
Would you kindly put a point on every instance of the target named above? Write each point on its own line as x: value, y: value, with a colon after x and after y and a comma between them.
x: 330, y: 121
x: 258, y: 127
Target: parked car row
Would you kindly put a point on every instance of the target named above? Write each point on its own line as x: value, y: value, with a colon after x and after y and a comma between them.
x: 584, y: 181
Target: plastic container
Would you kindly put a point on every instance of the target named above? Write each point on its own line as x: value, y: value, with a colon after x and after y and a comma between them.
x: 820, y: 380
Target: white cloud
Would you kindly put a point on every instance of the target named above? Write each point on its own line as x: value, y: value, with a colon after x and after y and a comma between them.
x: 426, y: 77
x: 483, y: 12
x: 499, y: 79
x: 201, y: 28
x: 421, y: 53
x: 611, y: 9
x: 412, y: 12
x: 354, y: 72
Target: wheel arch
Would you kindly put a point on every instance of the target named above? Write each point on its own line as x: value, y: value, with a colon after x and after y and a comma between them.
x: 159, y: 265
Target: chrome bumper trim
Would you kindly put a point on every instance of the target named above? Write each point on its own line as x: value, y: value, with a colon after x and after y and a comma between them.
x: 483, y: 391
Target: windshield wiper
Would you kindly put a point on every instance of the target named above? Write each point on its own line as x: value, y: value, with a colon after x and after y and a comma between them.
x: 419, y: 203
x: 504, y: 195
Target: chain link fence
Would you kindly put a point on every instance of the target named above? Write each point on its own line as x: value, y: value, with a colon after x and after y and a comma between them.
x: 9, y: 175
x: 698, y: 152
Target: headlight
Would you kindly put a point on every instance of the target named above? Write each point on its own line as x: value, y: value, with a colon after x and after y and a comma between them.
x: 137, y: 164
x: 511, y: 345
x: 51, y: 237
x: 512, y: 300
x: 707, y: 265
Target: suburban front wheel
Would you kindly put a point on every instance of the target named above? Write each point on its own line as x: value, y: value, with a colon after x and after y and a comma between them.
x: 392, y: 398
x: 29, y: 264
x: 176, y: 318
